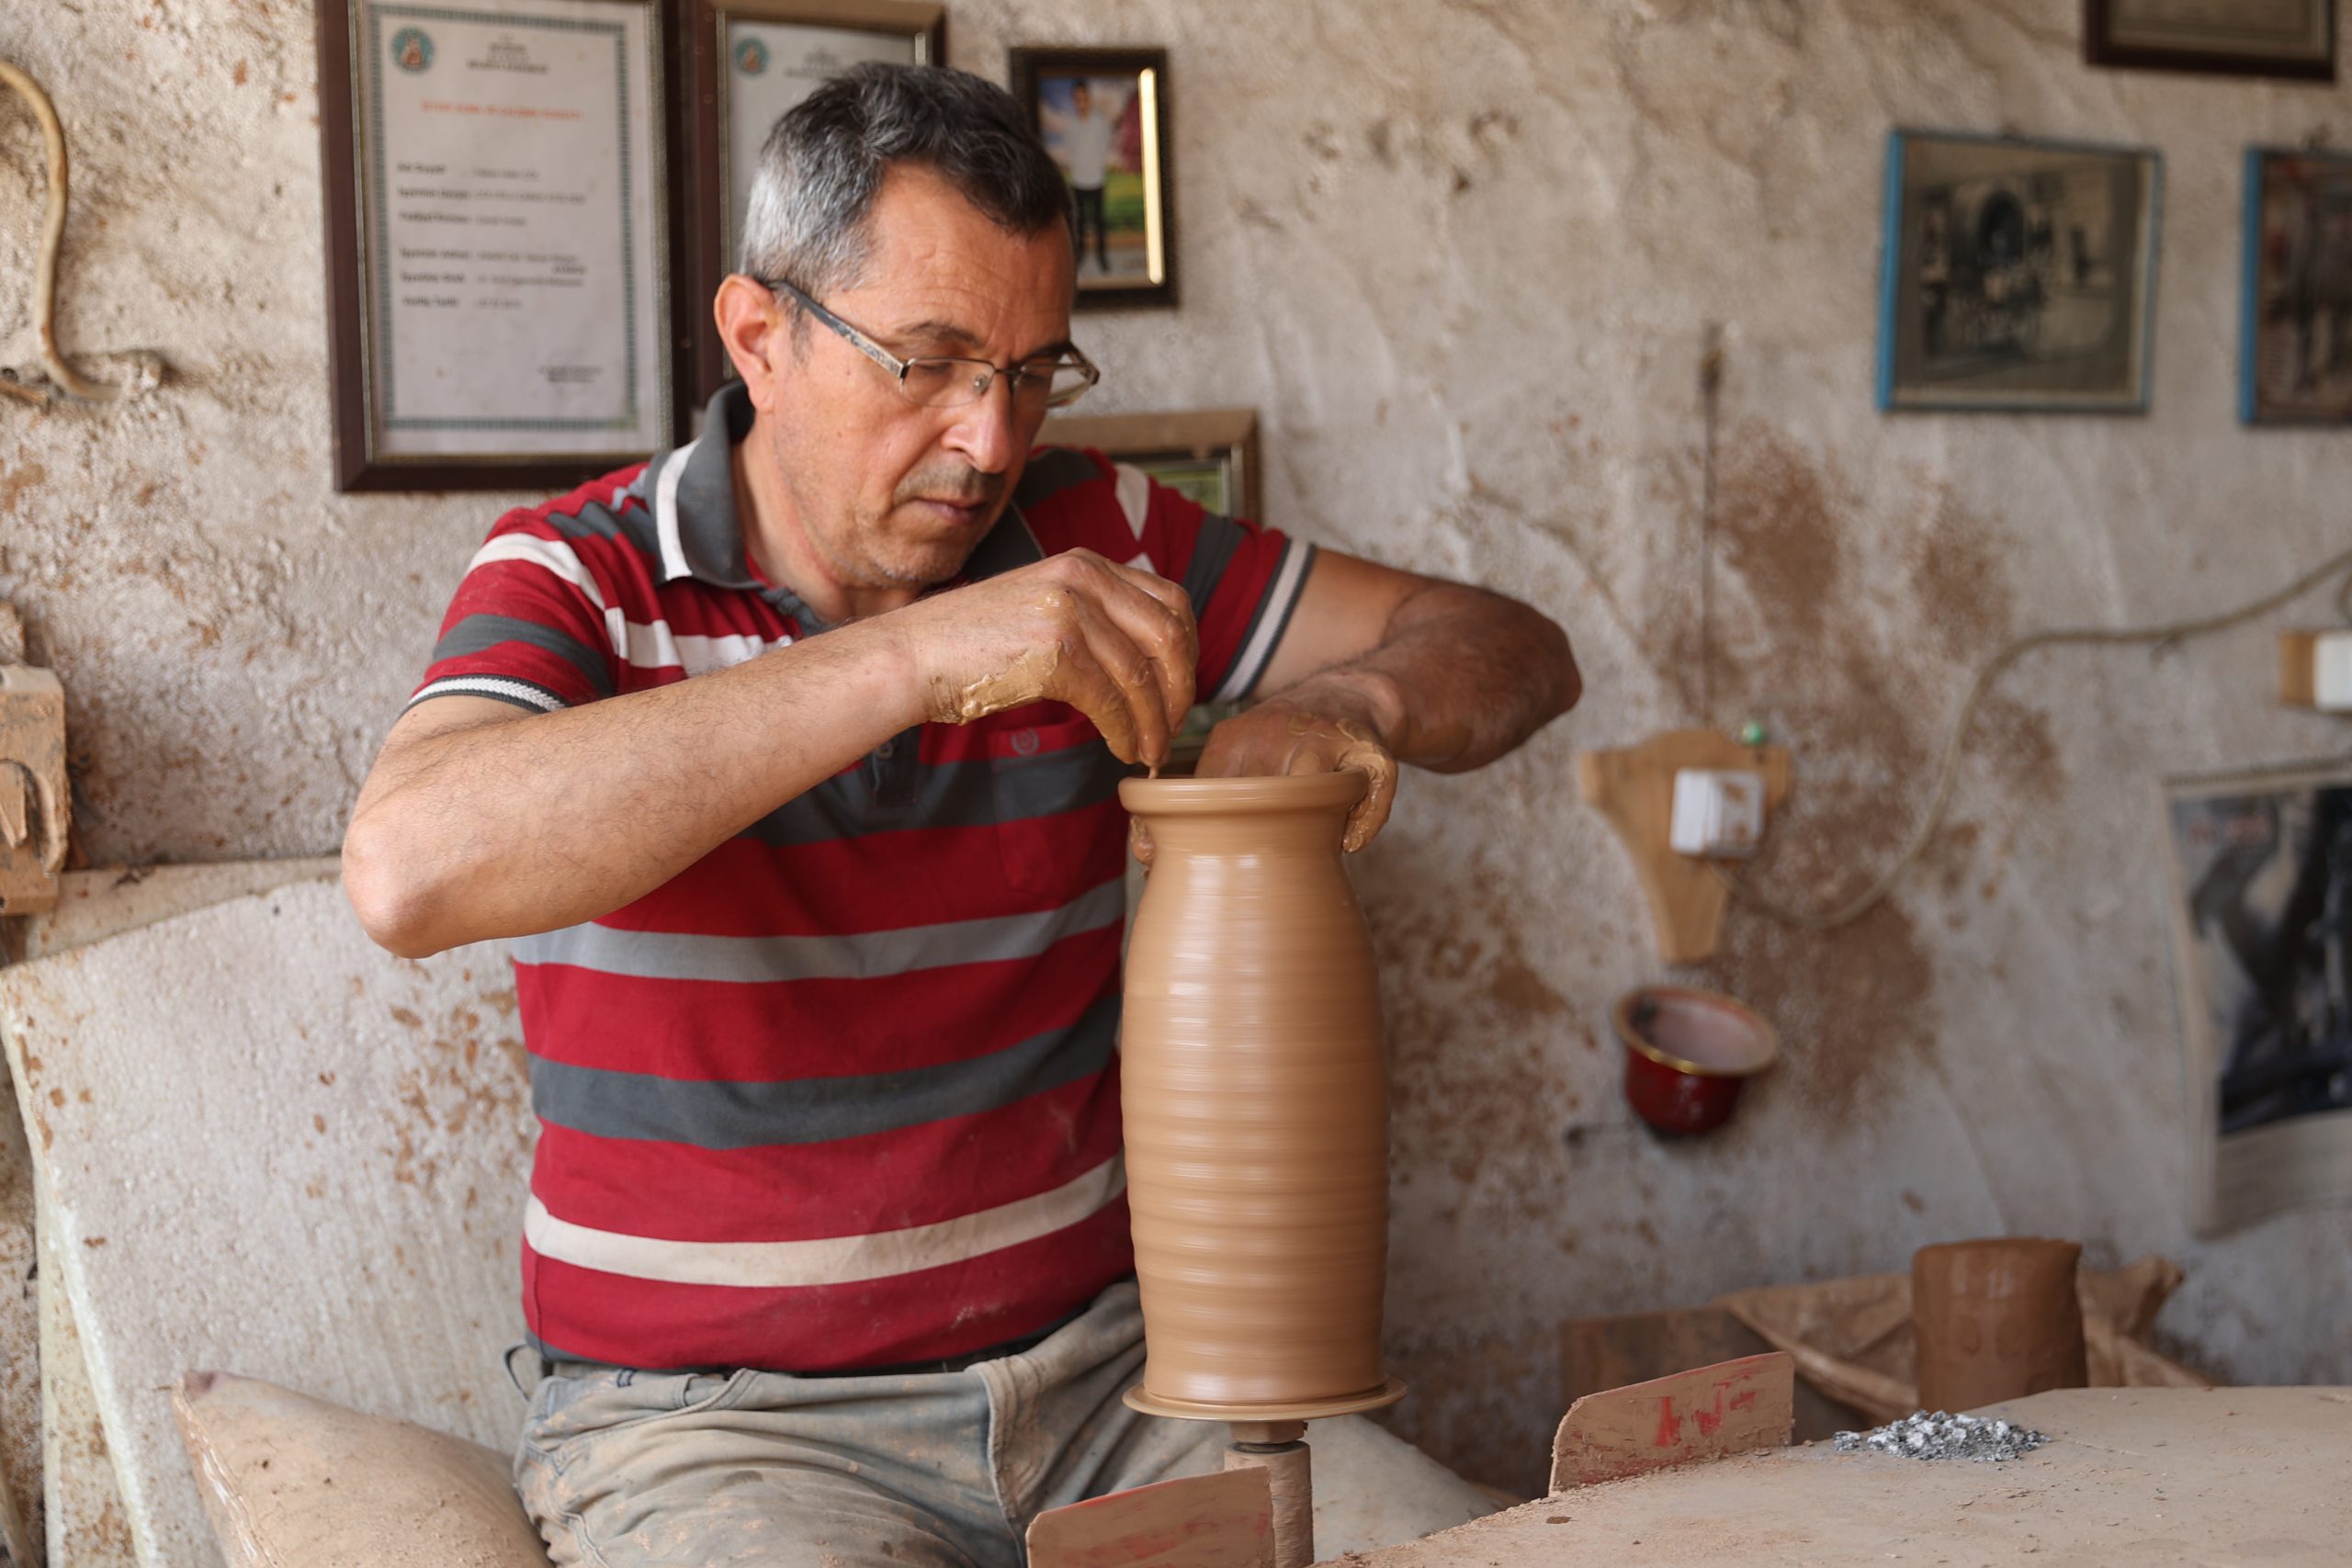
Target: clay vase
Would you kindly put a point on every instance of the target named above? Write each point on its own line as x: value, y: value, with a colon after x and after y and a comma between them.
x: 1256, y: 1103
x: 1997, y: 1319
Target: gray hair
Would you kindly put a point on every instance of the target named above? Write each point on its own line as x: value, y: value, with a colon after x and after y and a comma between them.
x: 823, y: 163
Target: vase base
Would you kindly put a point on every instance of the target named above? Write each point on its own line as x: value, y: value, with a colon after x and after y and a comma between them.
x: 1388, y: 1393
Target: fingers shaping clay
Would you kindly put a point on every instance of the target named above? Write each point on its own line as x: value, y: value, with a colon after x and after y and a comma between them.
x: 1255, y: 1104
x: 1997, y: 1319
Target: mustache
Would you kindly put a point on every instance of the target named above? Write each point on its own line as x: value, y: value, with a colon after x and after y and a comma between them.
x: 958, y: 485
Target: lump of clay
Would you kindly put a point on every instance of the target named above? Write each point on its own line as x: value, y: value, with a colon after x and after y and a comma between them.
x: 287, y: 1478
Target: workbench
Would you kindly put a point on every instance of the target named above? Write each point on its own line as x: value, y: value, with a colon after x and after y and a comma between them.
x: 2148, y: 1477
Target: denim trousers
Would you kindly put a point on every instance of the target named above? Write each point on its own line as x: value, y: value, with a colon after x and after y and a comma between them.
x: 624, y: 1469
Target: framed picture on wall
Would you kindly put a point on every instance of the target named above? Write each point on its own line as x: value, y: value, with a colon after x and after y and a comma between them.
x: 1209, y: 455
x: 2016, y: 273
x: 747, y: 62
x: 497, y: 239
x: 2262, y: 959
x: 2295, y: 356
x: 2251, y: 38
x: 1102, y: 113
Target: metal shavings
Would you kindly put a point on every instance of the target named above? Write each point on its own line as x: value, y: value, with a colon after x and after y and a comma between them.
x: 1922, y: 1435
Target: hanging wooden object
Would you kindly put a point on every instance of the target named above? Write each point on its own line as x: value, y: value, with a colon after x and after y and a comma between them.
x: 1635, y: 790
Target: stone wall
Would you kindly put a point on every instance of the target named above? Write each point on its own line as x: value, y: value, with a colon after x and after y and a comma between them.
x: 1462, y: 258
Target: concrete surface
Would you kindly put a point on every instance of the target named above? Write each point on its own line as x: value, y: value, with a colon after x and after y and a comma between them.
x: 1460, y: 256
x: 2164, y: 1478
x: 72, y: 1477
x: 272, y: 1148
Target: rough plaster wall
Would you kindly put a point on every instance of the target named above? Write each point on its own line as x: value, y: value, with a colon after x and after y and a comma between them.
x: 1460, y: 256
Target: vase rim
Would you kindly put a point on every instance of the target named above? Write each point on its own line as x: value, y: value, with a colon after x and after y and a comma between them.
x: 1197, y: 796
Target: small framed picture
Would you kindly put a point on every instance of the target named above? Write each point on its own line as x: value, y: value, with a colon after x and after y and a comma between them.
x: 2248, y: 37
x: 2261, y: 878
x: 747, y: 63
x: 1103, y: 116
x: 497, y: 239
x: 1209, y: 455
x: 2017, y: 274
x: 2295, y: 356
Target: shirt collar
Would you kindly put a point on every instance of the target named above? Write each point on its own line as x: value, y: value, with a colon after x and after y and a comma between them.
x: 692, y: 491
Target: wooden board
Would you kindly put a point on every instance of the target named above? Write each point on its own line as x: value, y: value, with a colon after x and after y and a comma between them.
x: 2153, y: 1477
x: 1635, y: 790
x: 1705, y: 1414
x: 1221, y: 1520
x: 1602, y: 1353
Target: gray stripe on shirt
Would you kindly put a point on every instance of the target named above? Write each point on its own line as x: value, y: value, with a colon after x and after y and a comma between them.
x: 864, y: 955
x: 716, y: 1114
x: 481, y: 633
x: 972, y: 794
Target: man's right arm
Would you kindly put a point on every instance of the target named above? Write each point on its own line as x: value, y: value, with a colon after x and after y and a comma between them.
x: 482, y: 821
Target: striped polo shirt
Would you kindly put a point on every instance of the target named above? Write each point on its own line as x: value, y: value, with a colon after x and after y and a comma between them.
x: 843, y: 1093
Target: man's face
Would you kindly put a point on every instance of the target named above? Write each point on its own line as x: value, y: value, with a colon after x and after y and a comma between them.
x: 1082, y: 97
x: 888, y: 493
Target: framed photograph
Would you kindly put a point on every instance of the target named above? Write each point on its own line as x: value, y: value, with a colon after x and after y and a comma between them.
x: 1103, y: 116
x: 747, y: 62
x: 497, y: 241
x: 2262, y: 944
x: 1210, y: 456
x: 2017, y: 275
x: 2295, y: 356
x: 2251, y: 37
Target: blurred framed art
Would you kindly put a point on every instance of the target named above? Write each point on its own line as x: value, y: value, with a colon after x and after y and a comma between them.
x: 1103, y: 114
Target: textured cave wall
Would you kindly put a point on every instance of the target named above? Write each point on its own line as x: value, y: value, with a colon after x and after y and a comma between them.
x: 1461, y: 257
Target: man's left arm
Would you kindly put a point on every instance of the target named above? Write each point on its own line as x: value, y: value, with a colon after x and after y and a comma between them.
x: 1379, y: 667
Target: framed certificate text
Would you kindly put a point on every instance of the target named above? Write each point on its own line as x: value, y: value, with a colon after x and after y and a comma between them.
x: 496, y: 177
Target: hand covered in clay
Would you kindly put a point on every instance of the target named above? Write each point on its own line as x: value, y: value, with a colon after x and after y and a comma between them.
x: 1117, y: 644
x: 1311, y: 729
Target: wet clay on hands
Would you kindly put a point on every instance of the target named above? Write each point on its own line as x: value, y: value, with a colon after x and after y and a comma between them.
x: 1307, y: 743
x: 1117, y: 644
x: 1997, y: 1319
x: 1254, y: 1090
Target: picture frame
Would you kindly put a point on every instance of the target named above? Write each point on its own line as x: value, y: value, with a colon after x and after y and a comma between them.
x: 745, y: 62
x: 2295, y: 328
x: 2016, y: 273
x: 1209, y: 455
x: 464, y: 144
x: 2293, y: 39
x: 2260, y: 886
x: 1102, y: 113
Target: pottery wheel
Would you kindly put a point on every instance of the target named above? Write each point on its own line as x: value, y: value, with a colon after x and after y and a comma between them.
x: 1388, y: 1393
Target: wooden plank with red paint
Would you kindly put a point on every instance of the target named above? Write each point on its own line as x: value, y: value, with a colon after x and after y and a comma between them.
x: 1223, y: 1520
x: 1700, y: 1414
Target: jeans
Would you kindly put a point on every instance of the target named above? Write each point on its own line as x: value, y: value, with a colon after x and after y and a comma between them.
x: 1088, y: 208
x: 624, y: 1469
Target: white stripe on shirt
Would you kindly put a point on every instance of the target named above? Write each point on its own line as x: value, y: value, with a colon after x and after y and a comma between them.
x: 830, y: 1261
x: 1251, y: 664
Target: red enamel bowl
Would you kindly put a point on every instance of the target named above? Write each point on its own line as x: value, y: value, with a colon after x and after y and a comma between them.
x: 1688, y: 1054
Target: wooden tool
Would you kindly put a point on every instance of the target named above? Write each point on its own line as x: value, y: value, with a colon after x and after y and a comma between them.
x: 1635, y: 789
x: 1226, y: 1520
x: 1703, y: 1414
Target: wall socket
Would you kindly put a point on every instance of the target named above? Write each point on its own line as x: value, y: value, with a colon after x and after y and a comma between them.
x: 2315, y: 670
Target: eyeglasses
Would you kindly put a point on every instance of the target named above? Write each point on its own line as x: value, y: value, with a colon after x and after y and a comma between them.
x: 938, y: 382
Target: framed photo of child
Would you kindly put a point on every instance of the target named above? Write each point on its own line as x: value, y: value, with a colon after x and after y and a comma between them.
x: 1103, y: 115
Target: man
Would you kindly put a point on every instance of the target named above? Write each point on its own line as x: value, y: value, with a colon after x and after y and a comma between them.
x: 791, y: 761
x: 1087, y: 139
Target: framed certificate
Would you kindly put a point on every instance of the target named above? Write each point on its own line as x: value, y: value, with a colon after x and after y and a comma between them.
x: 747, y: 63
x: 497, y: 239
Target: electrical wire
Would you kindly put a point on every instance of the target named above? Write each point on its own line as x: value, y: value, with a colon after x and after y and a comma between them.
x: 146, y: 368
x: 1948, y: 770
